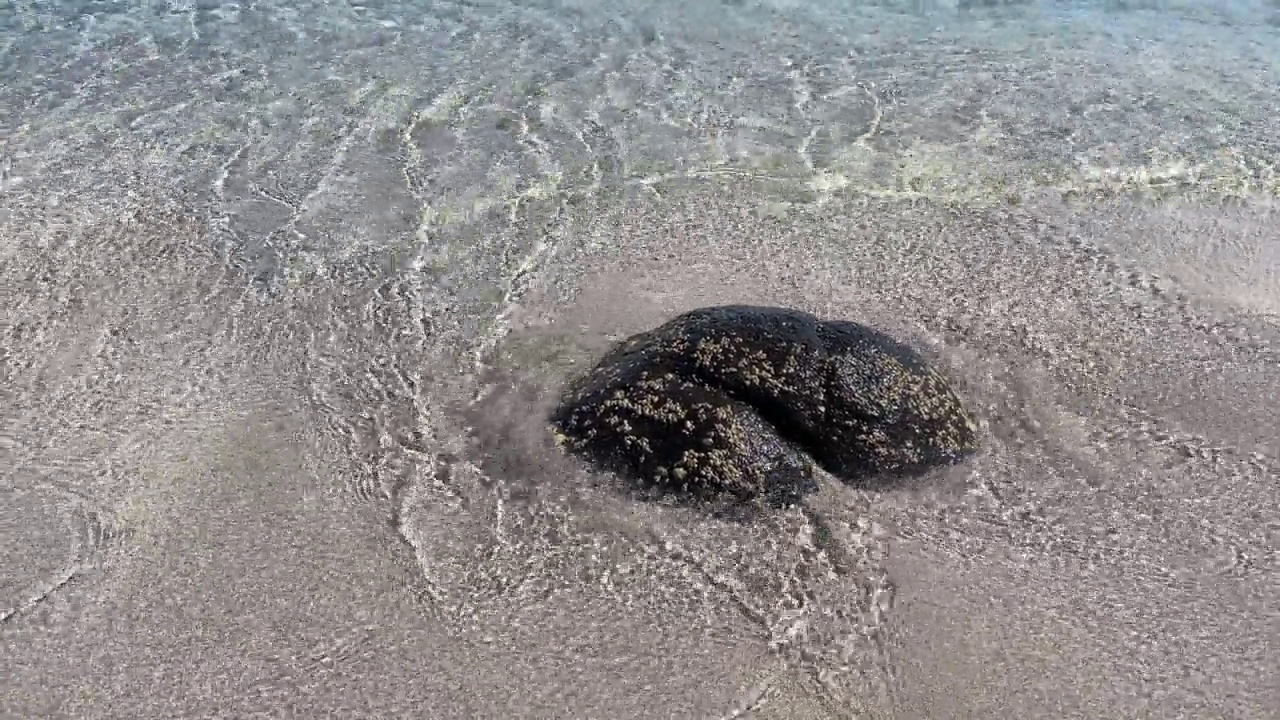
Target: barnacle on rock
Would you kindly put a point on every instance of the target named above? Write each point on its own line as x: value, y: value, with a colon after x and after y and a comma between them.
x: 739, y: 399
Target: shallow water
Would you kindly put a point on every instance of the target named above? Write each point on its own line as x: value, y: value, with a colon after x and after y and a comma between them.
x: 287, y: 292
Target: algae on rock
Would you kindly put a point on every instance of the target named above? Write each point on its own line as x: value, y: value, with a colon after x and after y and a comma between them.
x: 741, y: 399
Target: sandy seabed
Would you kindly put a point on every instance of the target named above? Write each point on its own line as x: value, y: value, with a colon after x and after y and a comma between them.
x: 279, y: 332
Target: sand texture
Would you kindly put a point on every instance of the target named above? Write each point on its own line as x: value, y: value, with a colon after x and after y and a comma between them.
x: 290, y: 294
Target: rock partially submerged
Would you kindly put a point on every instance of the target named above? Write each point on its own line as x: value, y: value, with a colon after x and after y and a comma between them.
x: 738, y: 399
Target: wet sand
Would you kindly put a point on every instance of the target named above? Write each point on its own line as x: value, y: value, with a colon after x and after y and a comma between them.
x: 273, y: 412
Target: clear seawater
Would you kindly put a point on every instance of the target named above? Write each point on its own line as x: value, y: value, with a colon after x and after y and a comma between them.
x: 286, y: 287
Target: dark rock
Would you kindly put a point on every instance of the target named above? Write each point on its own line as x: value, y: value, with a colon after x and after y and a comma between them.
x: 736, y: 399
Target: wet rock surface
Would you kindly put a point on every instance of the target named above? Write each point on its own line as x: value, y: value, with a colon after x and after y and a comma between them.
x: 744, y: 399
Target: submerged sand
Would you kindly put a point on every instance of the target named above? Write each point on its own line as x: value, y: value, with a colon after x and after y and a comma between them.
x: 273, y: 412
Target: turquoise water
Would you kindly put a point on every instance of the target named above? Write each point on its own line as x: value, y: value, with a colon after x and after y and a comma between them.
x: 286, y: 289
